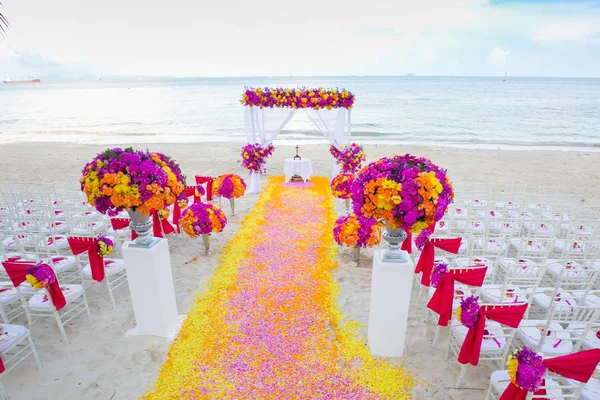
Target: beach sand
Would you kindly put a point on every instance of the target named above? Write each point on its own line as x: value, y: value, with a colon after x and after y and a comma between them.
x: 101, y: 364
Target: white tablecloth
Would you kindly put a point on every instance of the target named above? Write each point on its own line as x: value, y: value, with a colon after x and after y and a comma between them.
x: 301, y: 168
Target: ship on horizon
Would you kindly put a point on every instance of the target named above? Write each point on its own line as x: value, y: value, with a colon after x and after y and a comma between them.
x: 34, y: 80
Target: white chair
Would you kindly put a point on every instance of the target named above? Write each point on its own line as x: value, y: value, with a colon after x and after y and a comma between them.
x: 519, y: 280
x: 496, y: 342
x: 15, y: 347
x: 556, y: 387
x: 11, y: 307
x: 557, y: 336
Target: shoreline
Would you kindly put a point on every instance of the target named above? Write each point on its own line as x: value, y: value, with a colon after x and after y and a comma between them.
x: 87, y: 138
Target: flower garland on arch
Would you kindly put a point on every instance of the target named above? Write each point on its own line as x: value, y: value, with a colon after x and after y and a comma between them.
x: 315, y: 98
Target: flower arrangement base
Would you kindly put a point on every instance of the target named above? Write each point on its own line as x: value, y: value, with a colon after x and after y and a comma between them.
x: 395, y: 237
x: 142, y: 226
x: 391, y: 287
x: 206, y: 240
x: 254, y: 183
x: 356, y: 254
x: 232, y: 203
x: 151, y: 287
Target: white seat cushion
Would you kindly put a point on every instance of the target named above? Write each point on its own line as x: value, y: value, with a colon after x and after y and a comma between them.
x: 529, y: 332
x: 543, y: 298
x: 555, y: 267
x: 592, y: 387
x: 492, y: 293
x: 488, y: 345
x: 592, y: 339
x: 9, y: 243
x: 94, y: 227
x: 111, y: 267
x: 63, y: 263
x: 40, y: 302
x: 55, y: 243
x: 500, y: 381
x: 12, y: 334
x: 8, y: 294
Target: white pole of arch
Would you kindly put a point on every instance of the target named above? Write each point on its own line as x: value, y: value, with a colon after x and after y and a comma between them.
x: 254, y: 176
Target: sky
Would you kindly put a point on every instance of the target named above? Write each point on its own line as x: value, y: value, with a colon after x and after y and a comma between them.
x: 226, y: 38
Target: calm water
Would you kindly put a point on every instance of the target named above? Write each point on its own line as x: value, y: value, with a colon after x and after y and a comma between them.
x: 454, y: 111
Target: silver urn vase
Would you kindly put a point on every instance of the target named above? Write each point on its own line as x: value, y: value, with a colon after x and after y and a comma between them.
x: 232, y: 203
x: 357, y: 255
x: 395, y: 237
x: 142, y: 226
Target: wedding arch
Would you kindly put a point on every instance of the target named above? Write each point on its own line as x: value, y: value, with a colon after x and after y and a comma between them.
x: 268, y: 111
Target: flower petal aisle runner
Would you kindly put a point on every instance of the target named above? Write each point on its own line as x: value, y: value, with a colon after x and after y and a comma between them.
x: 268, y: 326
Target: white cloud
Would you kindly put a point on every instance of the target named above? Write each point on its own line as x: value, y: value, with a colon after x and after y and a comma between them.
x: 498, y: 56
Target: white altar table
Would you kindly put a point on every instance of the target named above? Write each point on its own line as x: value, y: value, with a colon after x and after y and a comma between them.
x: 302, y: 168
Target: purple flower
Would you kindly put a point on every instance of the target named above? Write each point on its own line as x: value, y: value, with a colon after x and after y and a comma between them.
x: 439, y: 270
x: 469, y: 311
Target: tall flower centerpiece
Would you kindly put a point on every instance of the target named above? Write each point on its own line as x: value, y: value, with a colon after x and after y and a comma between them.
x: 201, y: 219
x: 135, y: 181
x: 341, y: 187
x: 231, y: 187
x: 357, y: 231
x: 406, y: 193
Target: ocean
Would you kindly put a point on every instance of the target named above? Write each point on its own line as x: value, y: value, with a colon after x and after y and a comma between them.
x: 553, y: 113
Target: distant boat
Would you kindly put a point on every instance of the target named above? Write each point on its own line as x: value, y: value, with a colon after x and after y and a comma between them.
x: 505, y: 77
x: 410, y: 74
x: 34, y: 80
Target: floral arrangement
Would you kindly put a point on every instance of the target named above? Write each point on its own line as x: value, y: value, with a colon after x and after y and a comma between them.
x: 438, y: 271
x: 468, y: 311
x: 202, y: 219
x: 337, y: 154
x: 164, y: 213
x: 199, y: 191
x: 105, y: 245
x: 128, y: 179
x: 404, y: 191
x: 182, y: 203
x: 298, y: 98
x: 357, y: 231
x: 526, y: 369
x: 229, y: 185
x: 422, y: 238
x: 269, y: 150
x: 351, y: 158
x: 341, y: 186
x: 254, y: 157
x: 40, y: 275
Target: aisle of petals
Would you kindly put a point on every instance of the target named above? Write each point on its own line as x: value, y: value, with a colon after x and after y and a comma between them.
x: 268, y: 327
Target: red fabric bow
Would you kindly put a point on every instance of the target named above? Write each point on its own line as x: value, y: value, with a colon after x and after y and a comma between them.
x: 442, y: 299
x: 157, y: 222
x: 18, y: 270
x: 425, y: 264
x: 578, y: 366
x: 122, y: 223
x: 81, y: 245
x: 209, y: 183
x: 407, y: 244
x: 510, y: 315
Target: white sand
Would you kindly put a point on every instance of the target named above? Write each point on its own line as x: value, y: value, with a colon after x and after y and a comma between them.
x: 101, y: 364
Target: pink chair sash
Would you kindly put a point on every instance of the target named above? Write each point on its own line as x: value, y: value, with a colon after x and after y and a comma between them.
x: 407, y: 244
x: 80, y: 245
x: 578, y: 366
x: 425, y: 264
x: 507, y: 315
x: 442, y: 299
x: 18, y: 270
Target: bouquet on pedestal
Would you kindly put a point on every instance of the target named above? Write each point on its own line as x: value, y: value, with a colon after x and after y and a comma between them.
x: 231, y: 187
x: 357, y: 231
x: 202, y: 219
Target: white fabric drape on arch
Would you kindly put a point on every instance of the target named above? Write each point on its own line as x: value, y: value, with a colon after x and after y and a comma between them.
x: 335, y: 126
x: 262, y: 125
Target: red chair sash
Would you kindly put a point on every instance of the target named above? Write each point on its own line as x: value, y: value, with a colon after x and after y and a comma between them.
x: 578, y: 366
x: 18, y: 270
x: 442, y: 299
x: 425, y: 264
x: 209, y: 183
x: 81, y: 245
x: 122, y: 223
x: 508, y: 315
x: 158, y: 222
x: 407, y: 244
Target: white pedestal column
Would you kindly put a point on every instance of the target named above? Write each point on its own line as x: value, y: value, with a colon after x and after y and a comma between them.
x: 254, y: 183
x: 152, y: 291
x: 391, y: 286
